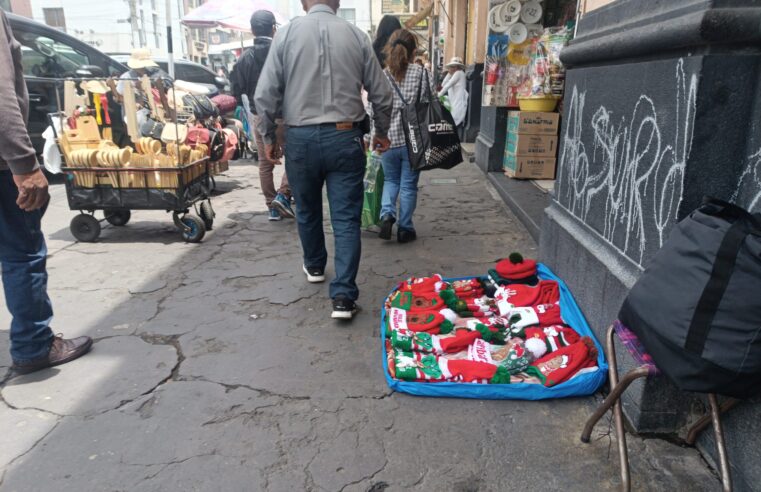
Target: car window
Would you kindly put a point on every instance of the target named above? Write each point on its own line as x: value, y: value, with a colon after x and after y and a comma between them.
x: 191, y: 73
x: 45, y: 57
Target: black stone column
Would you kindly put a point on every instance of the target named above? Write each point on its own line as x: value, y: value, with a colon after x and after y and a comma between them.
x: 662, y: 107
x: 490, y: 143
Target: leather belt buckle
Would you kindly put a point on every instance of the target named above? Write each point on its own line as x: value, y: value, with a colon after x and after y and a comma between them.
x: 344, y: 125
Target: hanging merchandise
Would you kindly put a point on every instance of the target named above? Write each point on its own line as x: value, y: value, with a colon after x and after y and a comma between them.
x: 531, y: 12
x: 511, y: 12
x: 518, y: 33
x: 496, y: 21
x: 529, y: 340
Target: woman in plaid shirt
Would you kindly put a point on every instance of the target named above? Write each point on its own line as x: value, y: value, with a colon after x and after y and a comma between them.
x: 400, y: 180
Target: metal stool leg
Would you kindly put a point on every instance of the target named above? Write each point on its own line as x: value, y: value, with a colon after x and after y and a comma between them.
x: 721, y: 450
x: 613, y: 399
x: 704, y: 421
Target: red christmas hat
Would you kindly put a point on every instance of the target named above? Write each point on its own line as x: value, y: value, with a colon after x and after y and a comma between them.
x: 563, y: 364
x: 516, y: 267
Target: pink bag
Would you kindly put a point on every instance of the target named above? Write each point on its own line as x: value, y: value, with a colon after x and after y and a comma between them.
x: 231, y: 144
x: 197, y: 135
x: 225, y: 103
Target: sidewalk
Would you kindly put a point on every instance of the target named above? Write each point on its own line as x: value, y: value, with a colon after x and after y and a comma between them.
x: 216, y: 367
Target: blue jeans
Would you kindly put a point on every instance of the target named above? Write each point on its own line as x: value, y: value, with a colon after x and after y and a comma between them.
x: 317, y: 155
x: 25, y: 279
x: 399, y: 181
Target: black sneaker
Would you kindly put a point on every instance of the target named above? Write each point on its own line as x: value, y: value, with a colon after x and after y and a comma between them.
x: 314, y: 275
x: 387, y: 222
x: 405, y: 236
x: 344, y: 308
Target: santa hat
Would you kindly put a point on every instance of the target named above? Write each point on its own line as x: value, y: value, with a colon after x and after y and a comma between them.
x: 411, y: 341
x: 418, y: 285
x: 540, y: 341
x: 521, y: 295
x: 563, y: 364
x: 515, y: 267
x: 542, y: 315
x: 428, y: 321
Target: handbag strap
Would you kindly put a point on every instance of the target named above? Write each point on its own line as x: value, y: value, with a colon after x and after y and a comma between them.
x: 721, y: 273
x: 395, y: 86
x: 427, y: 86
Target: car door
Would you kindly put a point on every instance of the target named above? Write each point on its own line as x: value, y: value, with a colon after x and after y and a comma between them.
x: 47, y: 57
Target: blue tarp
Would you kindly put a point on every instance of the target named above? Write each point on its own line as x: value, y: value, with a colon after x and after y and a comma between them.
x: 584, y: 384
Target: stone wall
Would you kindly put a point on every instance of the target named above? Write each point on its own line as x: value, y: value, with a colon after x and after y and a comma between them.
x: 662, y: 107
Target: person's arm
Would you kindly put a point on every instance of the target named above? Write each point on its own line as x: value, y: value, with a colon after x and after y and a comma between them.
x: 238, y: 78
x: 380, y: 96
x: 449, y: 82
x: 15, y: 145
x: 269, y: 91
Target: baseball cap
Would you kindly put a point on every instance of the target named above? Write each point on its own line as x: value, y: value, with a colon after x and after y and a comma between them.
x: 262, y: 20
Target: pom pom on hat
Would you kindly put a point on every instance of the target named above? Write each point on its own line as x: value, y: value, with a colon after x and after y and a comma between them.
x: 536, y: 346
x: 516, y: 267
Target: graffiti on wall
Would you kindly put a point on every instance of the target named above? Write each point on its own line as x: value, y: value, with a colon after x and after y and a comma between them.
x: 624, y: 175
x: 748, y: 192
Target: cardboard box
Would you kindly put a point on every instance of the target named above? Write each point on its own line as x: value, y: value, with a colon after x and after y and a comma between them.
x: 532, y: 123
x: 529, y: 167
x: 532, y: 145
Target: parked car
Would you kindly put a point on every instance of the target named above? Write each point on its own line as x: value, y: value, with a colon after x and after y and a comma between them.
x: 50, y: 54
x: 190, y: 72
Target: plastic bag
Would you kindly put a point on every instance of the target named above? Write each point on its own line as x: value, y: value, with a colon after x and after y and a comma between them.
x: 51, y: 156
x: 371, y: 204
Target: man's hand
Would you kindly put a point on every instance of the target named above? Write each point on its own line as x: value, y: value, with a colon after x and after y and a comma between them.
x: 32, y: 190
x: 273, y: 152
x: 381, y: 144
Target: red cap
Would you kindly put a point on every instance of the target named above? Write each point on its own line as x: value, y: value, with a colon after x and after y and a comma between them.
x: 516, y: 267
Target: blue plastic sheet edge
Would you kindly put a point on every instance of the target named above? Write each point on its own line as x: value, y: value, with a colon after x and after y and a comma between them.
x: 582, y: 385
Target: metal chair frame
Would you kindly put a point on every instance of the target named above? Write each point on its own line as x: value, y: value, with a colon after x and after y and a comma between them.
x: 613, y: 399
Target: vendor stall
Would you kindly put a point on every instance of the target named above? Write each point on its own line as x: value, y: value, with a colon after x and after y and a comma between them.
x: 178, y: 142
x: 513, y: 333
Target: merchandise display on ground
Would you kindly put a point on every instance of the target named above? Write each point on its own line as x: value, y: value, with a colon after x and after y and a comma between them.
x: 513, y: 333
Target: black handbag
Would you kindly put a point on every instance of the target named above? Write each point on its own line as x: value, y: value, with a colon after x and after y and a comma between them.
x: 429, y: 130
x: 152, y: 128
x: 216, y: 144
x: 201, y: 106
x: 696, y: 307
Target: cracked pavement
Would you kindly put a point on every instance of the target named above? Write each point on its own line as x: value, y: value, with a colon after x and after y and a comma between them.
x: 216, y: 367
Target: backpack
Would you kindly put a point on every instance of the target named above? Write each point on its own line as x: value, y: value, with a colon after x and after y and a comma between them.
x: 697, y: 307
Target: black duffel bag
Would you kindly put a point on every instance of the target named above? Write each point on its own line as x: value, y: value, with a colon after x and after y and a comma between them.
x: 697, y: 307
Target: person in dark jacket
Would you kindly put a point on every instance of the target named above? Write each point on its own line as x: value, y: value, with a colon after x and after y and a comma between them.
x: 245, y: 77
x: 386, y: 28
x: 23, y: 199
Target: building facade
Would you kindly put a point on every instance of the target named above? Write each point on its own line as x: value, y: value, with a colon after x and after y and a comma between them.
x: 115, y: 26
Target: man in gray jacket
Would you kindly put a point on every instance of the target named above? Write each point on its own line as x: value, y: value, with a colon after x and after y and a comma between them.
x: 23, y: 199
x: 315, y: 72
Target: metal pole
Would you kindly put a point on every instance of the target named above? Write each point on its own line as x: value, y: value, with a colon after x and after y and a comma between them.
x: 170, y: 51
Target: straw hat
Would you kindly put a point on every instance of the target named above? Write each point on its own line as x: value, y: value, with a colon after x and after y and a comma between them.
x: 95, y: 86
x: 455, y: 62
x: 141, y: 58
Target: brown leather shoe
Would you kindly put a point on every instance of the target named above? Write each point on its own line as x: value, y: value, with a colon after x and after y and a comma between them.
x: 62, y: 350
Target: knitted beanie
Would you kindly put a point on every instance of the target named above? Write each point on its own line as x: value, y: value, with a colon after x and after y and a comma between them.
x: 516, y: 267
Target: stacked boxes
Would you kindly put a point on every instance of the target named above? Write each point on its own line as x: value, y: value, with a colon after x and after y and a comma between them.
x: 532, y: 144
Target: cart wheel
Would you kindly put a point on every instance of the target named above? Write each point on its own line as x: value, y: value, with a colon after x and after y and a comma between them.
x: 118, y: 218
x: 85, y: 228
x: 207, y: 214
x: 197, y: 229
